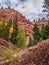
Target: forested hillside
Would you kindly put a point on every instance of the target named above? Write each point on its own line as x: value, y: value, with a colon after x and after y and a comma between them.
x: 22, y: 39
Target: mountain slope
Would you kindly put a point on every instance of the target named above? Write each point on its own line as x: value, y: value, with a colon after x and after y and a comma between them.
x: 4, y: 45
x: 6, y: 14
x: 36, y: 55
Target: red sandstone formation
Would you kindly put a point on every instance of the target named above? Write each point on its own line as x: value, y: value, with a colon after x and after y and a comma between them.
x: 6, y: 14
x: 4, y: 43
x: 7, y: 44
x: 36, y: 55
x: 39, y: 24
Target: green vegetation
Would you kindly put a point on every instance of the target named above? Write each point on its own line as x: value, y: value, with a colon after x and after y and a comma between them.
x: 11, y: 32
x: 45, y: 31
x: 39, y: 35
x: 17, y: 36
x: 14, y: 34
x: 36, y: 34
x: 21, y: 38
x: 46, y: 7
x: 7, y: 55
x: 30, y: 42
x: 5, y: 30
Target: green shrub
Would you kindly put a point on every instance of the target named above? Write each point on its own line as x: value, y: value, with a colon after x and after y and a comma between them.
x: 21, y: 38
x: 7, y: 54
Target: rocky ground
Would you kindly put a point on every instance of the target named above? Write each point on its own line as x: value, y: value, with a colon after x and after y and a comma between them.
x: 36, y: 55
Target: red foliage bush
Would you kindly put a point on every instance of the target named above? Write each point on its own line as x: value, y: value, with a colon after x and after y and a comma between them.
x: 4, y: 43
x: 37, y: 55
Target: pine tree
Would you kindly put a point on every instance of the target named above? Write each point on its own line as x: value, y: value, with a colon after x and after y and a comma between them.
x: 6, y: 31
x: 13, y: 38
x: 2, y: 28
x: 45, y: 31
x: 36, y: 34
x: 9, y: 24
x: 46, y: 7
x: 42, y: 32
x: 21, y: 38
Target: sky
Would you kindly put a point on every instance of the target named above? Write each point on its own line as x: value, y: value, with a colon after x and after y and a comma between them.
x: 31, y: 9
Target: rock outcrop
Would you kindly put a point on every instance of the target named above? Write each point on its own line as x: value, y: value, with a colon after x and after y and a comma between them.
x: 4, y: 45
x: 36, y: 55
x: 6, y: 14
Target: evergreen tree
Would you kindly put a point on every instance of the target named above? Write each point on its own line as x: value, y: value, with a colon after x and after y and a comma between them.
x: 36, y: 34
x: 46, y: 7
x: 21, y: 38
x: 42, y: 31
x: 45, y: 32
x: 2, y: 28
x: 9, y: 24
x: 9, y: 7
x: 13, y: 38
x: 39, y: 20
x: 6, y: 30
x: 1, y: 7
x: 42, y: 19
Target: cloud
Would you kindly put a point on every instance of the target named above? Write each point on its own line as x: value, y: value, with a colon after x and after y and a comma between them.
x: 29, y: 8
x: 22, y: 0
